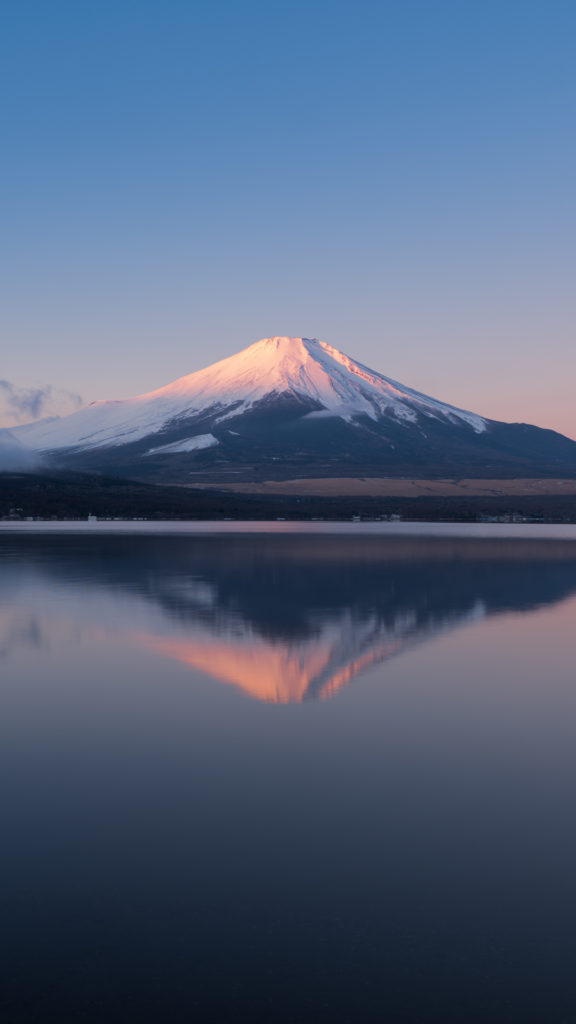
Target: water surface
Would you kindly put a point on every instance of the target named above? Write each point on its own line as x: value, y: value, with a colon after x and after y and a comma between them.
x: 286, y: 775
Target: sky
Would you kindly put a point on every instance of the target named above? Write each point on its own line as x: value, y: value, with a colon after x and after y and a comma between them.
x: 181, y: 178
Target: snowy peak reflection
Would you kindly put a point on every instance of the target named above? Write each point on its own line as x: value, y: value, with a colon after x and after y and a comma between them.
x: 284, y: 618
x: 296, y: 618
x: 285, y: 671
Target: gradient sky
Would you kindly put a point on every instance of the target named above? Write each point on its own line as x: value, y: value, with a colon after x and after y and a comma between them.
x: 179, y: 179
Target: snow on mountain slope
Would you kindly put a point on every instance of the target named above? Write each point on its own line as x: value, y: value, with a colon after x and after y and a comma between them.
x: 300, y: 367
x: 189, y: 444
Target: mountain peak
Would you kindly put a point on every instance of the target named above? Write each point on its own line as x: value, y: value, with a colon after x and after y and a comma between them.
x: 290, y: 407
x: 328, y: 382
x: 280, y: 347
x: 283, y: 342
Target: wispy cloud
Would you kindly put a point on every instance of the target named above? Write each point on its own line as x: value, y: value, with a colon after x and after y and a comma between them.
x: 23, y: 405
x: 14, y: 455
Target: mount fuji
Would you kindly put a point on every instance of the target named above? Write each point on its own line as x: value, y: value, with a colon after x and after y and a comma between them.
x: 292, y: 407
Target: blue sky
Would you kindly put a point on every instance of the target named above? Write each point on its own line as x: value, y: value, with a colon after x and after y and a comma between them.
x: 396, y: 178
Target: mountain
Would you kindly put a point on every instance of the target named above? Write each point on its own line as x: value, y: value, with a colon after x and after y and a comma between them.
x: 293, y: 407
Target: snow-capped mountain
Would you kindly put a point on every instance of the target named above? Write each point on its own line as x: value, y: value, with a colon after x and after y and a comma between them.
x: 291, y: 407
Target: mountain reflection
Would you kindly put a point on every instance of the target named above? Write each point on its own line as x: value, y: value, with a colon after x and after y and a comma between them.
x: 283, y: 671
x: 283, y: 618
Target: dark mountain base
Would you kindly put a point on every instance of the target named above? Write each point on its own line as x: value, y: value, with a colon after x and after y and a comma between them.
x: 255, y: 448
x: 76, y: 495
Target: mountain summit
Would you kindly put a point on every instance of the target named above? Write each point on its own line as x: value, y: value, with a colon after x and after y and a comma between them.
x: 293, y: 407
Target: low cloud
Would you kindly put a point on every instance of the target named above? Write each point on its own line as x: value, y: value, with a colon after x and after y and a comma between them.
x: 24, y: 405
x: 14, y: 455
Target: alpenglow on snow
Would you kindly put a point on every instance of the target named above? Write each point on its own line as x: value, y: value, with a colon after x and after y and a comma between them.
x: 288, y: 406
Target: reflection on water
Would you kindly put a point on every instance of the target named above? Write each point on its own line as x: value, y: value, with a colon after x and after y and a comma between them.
x: 282, y: 618
x: 173, y: 852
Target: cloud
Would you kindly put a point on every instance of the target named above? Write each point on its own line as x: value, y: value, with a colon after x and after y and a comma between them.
x: 23, y: 405
x: 14, y: 455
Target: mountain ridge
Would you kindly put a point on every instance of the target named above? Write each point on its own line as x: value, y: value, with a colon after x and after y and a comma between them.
x: 287, y: 407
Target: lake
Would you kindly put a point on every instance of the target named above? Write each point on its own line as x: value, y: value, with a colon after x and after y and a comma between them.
x: 287, y: 773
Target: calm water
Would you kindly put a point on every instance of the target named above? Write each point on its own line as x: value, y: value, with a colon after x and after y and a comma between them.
x: 288, y: 777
